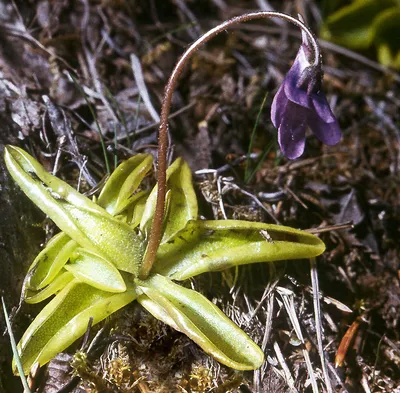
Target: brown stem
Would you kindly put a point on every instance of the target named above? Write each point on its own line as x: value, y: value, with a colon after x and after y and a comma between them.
x: 157, y: 224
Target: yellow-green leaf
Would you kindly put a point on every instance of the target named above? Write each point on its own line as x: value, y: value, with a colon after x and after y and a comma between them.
x: 182, y: 205
x: 59, y: 282
x: 205, y: 246
x: 119, y: 190
x: 387, y: 27
x: 135, y: 213
x: 50, y: 261
x: 65, y: 319
x: 96, y: 271
x: 80, y: 218
x: 353, y: 25
x: 191, y: 313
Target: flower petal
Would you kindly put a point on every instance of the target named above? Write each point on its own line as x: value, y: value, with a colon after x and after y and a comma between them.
x: 328, y: 133
x: 291, y: 133
x: 322, y: 108
x: 295, y: 94
x: 278, y: 106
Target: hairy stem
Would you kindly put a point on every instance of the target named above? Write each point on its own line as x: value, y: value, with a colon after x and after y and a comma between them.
x: 156, y: 228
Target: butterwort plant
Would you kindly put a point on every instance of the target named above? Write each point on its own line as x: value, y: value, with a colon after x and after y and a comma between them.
x: 131, y: 244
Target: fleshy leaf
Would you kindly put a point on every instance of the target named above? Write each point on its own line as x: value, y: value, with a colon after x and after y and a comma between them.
x: 205, y: 246
x: 58, y: 283
x: 353, y: 25
x: 96, y: 271
x: 182, y: 205
x: 191, y: 313
x: 80, y: 218
x: 156, y: 310
x: 65, y: 319
x: 119, y: 190
x: 50, y: 261
x: 387, y: 26
x: 135, y: 213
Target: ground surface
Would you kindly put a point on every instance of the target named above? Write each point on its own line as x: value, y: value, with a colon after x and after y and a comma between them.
x: 215, y: 109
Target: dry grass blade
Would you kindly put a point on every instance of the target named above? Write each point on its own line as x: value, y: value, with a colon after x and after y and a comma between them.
x: 318, y: 321
x: 260, y: 373
x: 139, y: 78
x: 99, y: 129
x: 91, y: 61
x: 14, y: 349
x: 286, y: 372
x: 230, y: 184
x: 360, y: 58
x: 288, y: 301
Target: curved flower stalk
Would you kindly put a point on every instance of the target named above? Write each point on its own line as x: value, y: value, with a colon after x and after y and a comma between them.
x: 301, y: 103
x: 82, y: 265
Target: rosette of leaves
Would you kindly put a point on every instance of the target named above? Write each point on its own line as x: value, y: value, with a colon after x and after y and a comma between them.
x: 92, y: 266
x: 367, y: 23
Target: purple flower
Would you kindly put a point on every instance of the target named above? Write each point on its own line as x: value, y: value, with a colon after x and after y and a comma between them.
x: 299, y: 103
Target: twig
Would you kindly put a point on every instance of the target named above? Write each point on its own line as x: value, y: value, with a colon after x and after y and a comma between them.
x: 61, y: 125
x: 220, y: 200
x: 330, y: 228
x: 341, y: 383
x: 155, y: 125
